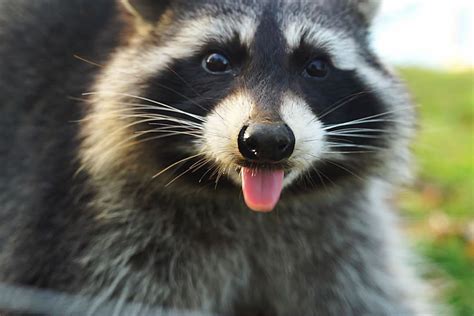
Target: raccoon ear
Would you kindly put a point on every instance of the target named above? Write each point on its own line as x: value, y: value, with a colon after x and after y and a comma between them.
x: 368, y: 8
x: 149, y: 11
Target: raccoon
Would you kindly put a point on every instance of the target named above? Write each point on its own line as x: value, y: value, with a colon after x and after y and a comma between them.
x: 225, y: 156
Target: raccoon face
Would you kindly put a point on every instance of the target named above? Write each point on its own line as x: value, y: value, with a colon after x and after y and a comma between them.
x: 258, y: 95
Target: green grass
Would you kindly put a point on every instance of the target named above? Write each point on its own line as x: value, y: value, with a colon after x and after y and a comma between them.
x: 440, y: 206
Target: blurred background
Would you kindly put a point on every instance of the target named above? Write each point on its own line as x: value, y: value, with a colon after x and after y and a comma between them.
x: 431, y: 43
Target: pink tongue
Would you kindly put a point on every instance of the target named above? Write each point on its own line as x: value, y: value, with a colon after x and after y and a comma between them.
x: 262, y: 188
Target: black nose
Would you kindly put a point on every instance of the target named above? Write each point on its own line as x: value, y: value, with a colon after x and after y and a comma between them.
x: 266, y: 142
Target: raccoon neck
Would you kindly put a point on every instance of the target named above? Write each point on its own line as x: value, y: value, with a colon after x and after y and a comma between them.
x: 132, y: 238
x: 115, y: 199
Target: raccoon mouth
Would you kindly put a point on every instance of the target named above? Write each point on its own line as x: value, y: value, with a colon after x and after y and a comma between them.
x: 262, y: 188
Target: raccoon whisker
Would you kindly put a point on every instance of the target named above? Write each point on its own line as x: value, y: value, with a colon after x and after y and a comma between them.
x: 358, y: 122
x: 198, y: 131
x: 221, y: 117
x: 202, y: 165
x: 168, y: 128
x: 182, y: 95
x: 179, y: 176
x: 187, y: 119
x: 308, y: 181
x: 346, y: 169
x: 148, y: 139
x: 338, y: 137
x: 150, y: 119
x: 164, y: 86
x: 362, y: 132
x: 350, y: 132
x: 88, y: 61
x: 126, y: 142
x: 351, y: 145
x: 344, y: 101
x: 368, y: 119
x: 123, y: 128
x: 339, y: 145
x: 312, y: 140
x: 121, y: 113
x: 198, y: 165
x: 92, y: 116
x: 129, y: 126
x: 357, y: 130
x: 340, y: 140
x: 353, y: 135
x: 160, y: 117
x: 168, y: 108
x: 219, y: 176
x: 207, y: 172
x: 178, y: 127
x: 200, y: 119
x: 187, y: 84
x: 320, y: 173
x: 175, y: 164
x: 403, y: 108
x: 319, y: 176
x: 151, y: 101
x: 193, y: 168
x: 169, y: 89
x: 184, y: 81
x: 215, y: 173
x: 167, y: 133
x: 348, y: 152
x: 222, y: 171
x: 133, y: 111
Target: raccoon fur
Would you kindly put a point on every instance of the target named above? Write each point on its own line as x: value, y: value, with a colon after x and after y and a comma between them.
x: 146, y: 142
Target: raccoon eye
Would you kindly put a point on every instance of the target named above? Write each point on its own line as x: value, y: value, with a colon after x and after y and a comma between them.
x: 317, y: 68
x: 216, y: 63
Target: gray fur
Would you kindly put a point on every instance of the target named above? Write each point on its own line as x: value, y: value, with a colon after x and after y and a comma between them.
x: 108, y: 231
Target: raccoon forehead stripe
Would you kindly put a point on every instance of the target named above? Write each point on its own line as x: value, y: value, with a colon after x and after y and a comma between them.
x: 342, y: 48
x: 215, y: 28
x: 194, y: 34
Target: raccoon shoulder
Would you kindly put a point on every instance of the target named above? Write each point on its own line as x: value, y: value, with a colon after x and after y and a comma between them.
x: 40, y: 82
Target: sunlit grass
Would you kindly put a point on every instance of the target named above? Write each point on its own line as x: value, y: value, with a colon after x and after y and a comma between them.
x: 440, y: 206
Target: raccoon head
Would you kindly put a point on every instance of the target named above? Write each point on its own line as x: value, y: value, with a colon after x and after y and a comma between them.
x: 262, y: 96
